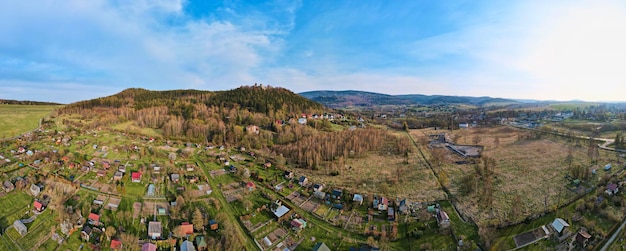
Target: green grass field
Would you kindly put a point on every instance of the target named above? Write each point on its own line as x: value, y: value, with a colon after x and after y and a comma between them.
x: 13, y: 207
x: 18, y: 119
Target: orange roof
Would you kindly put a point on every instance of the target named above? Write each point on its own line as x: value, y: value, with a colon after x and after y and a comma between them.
x: 37, y: 205
x: 94, y: 217
x: 186, y: 228
x: 116, y: 244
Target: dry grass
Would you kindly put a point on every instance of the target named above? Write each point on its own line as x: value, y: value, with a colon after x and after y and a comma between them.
x: 533, y: 170
x: 387, y: 175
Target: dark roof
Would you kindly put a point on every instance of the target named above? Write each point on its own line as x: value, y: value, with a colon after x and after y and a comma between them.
x: 86, y: 229
x: 611, y: 187
x: 337, y: 192
x: 320, y: 247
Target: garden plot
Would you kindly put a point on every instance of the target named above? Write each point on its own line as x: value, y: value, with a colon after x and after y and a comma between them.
x: 310, y: 206
x: 215, y: 173
x: 136, y: 209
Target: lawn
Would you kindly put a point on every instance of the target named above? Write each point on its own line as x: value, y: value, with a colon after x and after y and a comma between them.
x: 461, y: 229
x: 18, y: 119
x: 37, y: 230
x: 13, y: 207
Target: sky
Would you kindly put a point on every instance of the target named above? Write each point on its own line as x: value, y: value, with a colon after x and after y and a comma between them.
x: 71, y: 50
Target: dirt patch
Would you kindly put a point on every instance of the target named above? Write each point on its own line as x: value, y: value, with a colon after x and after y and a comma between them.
x: 310, y: 206
x: 149, y: 207
x: 529, y: 237
x: 215, y: 173
x: 136, y: 209
x: 112, y: 201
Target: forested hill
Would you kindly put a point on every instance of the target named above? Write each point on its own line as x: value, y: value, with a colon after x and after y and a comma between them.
x: 256, y: 99
x: 193, y: 114
x: 341, y: 99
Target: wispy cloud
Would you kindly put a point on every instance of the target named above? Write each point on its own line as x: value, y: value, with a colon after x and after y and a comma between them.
x: 531, y: 49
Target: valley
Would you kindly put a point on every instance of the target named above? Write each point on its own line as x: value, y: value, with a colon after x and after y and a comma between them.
x: 262, y: 168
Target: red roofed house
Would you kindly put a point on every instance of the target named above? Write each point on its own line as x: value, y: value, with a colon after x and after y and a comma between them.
x: 250, y: 185
x: 94, y: 219
x: 136, y: 177
x: 186, y: 228
x: 38, y: 206
x: 116, y: 244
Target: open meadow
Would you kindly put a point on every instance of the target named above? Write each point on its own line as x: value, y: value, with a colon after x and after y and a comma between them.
x: 531, y: 175
x: 18, y: 119
x: 389, y: 175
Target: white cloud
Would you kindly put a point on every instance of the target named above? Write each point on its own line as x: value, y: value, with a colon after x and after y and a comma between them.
x: 128, y: 44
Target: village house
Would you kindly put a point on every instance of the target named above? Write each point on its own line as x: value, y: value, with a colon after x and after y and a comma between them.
x: 288, y: 174
x: 8, y: 186
x: 154, y: 229
x: 380, y: 203
x: 201, y: 243
x: 175, y: 177
x: 403, y: 207
x: 318, y: 187
x: 151, y: 190
x: 186, y: 228
x: 116, y: 244
x: 320, y: 247
x: 582, y: 237
x: 611, y: 189
x: 250, y: 186
x: 85, y: 232
x: 303, y: 181
x: 94, y: 219
x: 336, y: 194
x: 213, y: 224
x: 560, y: 227
x: 35, y: 189
x: 148, y: 247
x: 319, y: 194
x: 298, y: 224
x: 442, y: 219
x: 118, y: 176
x: 391, y: 214
x: 38, y: 206
x: 358, y: 198
x: 280, y: 211
x: 20, y: 227
x: 252, y: 129
x: 190, y: 168
x: 136, y: 177
x: 187, y: 246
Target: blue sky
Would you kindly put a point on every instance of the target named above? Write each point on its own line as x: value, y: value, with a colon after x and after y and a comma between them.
x: 72, y: 50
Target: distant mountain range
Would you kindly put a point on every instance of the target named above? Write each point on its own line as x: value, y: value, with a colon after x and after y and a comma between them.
x: 25, y: 102
x: 341, y: 99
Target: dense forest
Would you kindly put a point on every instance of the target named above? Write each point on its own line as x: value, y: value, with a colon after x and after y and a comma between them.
x: 311, y: 152
x: 200, y: 116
